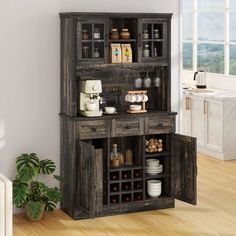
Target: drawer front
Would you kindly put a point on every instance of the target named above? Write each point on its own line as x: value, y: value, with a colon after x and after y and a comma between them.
x: 93, y: 129
x: 127, y: 127
x: 158, y: 125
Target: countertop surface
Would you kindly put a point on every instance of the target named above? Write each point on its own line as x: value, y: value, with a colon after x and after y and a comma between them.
x: 122, y: 114
x: 209, y: 93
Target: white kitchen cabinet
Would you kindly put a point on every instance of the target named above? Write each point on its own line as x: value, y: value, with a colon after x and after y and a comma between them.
x: 211, y: 118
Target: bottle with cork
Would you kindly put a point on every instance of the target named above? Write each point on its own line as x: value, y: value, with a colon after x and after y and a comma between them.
x: 116, y: 159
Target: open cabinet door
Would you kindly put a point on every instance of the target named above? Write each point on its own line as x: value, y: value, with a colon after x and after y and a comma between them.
x: 85, y: 177
x: 184, y: 171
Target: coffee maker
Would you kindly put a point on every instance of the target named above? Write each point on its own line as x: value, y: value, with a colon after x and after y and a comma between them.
x: 89, y: 97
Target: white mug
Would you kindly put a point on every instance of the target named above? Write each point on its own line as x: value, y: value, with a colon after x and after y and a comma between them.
x: 132, y: 98
x: 145, y: 98
x: 110, y: 110
x: 139, y: 98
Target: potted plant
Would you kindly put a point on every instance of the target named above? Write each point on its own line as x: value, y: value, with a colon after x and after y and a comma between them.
x: 29, y: 192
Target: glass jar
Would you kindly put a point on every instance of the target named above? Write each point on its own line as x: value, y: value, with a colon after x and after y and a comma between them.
x: 96, y: 53
x: 146, y: 50
x: 156, y: 34
x: 96, y: 33
x: 85, y: 51
x: 85, y: 35
x: 145, y: 34
x: 115, y: 157
x: 155, y: 52
x: 125, y: 34
x: 114, y: 34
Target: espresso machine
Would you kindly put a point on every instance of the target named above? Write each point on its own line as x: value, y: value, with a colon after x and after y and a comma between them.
x: 90, y: 98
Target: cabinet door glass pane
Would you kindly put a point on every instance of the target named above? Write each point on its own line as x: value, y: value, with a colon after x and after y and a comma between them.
x: 211, y: 26
x: 188, y: 56
x: 232, y: 26
x: 232, y: 62
x: 232, y: 4
x: 211, y: 57
x: 187, y: 5
x: 187, y: 26
x: 211, y: 4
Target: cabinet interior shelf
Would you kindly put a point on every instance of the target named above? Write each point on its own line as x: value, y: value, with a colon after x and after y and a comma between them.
x: 92, y: 40
x: 159, y: 154
x: 126, y: 168
x: 158, y: 176
x: 126, y: 192
x: 122, y: 40
x: 125, y: 180
x: 153, y: 40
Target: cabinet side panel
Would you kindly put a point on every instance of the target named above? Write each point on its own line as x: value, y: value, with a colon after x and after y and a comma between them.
x: 68, y: 64
x: 68, y: 166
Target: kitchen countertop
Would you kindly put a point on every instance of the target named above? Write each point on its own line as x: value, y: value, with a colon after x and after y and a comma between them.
x: 209, y: 93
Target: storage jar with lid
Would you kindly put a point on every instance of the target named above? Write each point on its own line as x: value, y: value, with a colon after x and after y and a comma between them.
x: 156, y: 34
x: 85, y: 51
x: 85, y: 34
x: 96, y: 33
x: 145, y: 34
x: 114, y: 34
x: 146, y: 50
x: 125, y: 34
x: 96, y: 53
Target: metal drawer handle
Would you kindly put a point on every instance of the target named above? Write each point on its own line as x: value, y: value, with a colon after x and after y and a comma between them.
x: 160, y: 124
x: 128, y: 127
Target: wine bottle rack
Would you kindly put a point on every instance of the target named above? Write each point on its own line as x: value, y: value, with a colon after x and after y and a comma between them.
x: 125, y: 185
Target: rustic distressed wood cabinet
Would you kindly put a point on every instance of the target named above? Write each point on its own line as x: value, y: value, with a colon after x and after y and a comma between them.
x: 92, y: 187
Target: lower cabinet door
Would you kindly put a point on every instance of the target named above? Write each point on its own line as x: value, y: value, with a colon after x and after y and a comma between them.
x: 184, y: 168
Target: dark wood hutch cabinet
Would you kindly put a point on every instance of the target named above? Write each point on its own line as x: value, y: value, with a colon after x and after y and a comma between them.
x: 92, y: 188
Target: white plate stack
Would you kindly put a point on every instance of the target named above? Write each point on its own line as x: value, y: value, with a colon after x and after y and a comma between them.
x: 154, y: 188
x: 153, y: 167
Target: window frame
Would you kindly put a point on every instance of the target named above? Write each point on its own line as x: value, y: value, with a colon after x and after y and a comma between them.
x: 195, y: 42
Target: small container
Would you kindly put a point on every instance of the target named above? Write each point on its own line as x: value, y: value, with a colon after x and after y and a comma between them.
x: 96, y: 53
x: 155, y: 52
x: 129, y: 157
x: 146, y: 50
x: 125, y: 34
x: 85, y: 34
x: 114, y: 34
x: 138, y: 82
x: 156, y: 34
x: 96, y: 33
x: 85, y: 52
x: 145, y: 34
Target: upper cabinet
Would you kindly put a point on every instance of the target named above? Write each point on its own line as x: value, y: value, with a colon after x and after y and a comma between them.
x: 128, y: 38
x: 91, y: 38
x: 152, y: 39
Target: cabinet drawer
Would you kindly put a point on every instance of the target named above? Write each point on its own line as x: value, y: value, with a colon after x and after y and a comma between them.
x: 93, y: 129
x: 158, y: 125
x: 126, y: 127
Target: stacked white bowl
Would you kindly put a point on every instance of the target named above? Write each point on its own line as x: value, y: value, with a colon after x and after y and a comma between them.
x: 153, y: 167
x: 154, y: 188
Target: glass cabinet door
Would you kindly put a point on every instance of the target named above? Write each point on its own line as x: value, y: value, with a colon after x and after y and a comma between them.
x: 152, y: 40
x: 91, y: 40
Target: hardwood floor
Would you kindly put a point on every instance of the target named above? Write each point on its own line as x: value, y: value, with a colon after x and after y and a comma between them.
x: 214, y: 215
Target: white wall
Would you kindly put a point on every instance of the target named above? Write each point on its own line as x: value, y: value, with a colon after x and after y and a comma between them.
x: 30, y: 70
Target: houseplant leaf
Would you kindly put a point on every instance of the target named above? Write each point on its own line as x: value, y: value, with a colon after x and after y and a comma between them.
x: 46, y: 167
x: 26, y: 173
x: 27, y: 160
x: 20, y: 192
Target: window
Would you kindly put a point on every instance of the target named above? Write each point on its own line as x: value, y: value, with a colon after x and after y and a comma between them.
x: 209, y: 36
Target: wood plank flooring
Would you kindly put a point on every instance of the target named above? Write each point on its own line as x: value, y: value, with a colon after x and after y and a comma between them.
x: 215, y: 214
